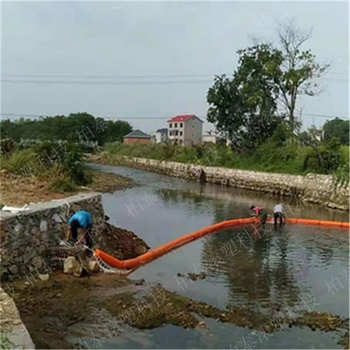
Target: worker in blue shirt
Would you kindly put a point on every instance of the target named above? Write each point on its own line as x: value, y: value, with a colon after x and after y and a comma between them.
x: 81, y: 219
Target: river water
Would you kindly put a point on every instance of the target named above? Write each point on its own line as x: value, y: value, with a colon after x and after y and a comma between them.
x: 293, y: 267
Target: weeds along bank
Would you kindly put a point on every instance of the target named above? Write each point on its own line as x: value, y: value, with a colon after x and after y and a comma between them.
x: 314, y: 188
x: 61, y: 163
x: 329, y: 158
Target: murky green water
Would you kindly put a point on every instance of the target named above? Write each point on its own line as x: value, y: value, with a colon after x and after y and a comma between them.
x: 290, y: 267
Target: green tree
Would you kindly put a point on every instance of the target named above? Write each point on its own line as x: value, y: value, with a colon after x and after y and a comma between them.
x: 299, y: 72
x: 77, y: 127
x: 244, y: 108
x: 325, y: 158
x: 337, y: 128
x: 246, y: 104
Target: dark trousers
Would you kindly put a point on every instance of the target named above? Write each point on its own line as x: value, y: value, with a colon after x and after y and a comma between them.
x: 88, y: 238
x: 263, y: 219
x: 278, y: 215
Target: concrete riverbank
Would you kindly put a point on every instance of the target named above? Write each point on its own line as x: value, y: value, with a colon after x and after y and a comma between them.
x: 313, y: 188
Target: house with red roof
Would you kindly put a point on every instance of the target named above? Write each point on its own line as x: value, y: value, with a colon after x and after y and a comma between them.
x: 185, y: 130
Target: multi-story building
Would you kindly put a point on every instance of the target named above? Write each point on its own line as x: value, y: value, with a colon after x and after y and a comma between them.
x: 185, y: 130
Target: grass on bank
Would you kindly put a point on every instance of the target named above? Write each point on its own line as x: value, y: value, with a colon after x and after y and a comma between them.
x: 51, y: 170
x: 62, y: 166
x: 296, y: 160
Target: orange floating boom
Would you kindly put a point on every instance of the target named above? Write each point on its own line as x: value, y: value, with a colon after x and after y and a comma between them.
x: 178, y: 242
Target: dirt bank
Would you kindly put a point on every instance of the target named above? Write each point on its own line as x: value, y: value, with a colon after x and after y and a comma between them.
x: 33, y: 189
x: 66, y: 308
x: 121, y: 243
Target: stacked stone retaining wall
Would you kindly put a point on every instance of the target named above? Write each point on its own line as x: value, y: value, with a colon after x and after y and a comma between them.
x: 26, y: 237
x: 313, y: 188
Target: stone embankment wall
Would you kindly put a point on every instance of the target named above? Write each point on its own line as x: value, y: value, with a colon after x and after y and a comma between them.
x: 26, y: 237
x: 313, y: 188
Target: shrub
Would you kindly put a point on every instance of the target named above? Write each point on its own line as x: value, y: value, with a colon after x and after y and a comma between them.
x: 326, y: 159
x: 68, y: 157
x: 7, y: 147
x: 62, y: 183
x: 21, y: 162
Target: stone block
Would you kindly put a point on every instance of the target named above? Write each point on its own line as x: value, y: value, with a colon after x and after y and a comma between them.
x: 72, y: 267
x: 93, y: 266
x: 43, y: 225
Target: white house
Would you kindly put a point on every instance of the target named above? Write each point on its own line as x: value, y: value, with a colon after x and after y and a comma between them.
x: 161, y: 135
x: 185, y: 130
x: 210, y: 136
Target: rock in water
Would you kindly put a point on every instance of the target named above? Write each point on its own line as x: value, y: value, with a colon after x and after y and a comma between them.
x: 202, y: 325
x: 93, y: 266
x: 72, y: 267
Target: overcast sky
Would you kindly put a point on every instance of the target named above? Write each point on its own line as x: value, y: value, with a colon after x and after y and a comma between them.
x: 88, y: 43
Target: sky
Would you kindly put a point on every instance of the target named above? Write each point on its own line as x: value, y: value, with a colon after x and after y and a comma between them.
x: 154, y: 60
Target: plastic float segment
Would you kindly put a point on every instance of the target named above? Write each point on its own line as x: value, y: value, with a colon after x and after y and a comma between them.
x: 178, y: 242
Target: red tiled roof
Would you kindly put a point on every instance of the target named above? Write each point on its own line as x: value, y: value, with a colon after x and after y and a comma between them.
x: 182, y: 118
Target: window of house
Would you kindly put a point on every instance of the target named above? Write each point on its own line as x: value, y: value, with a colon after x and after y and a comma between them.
x: 192, y: 134
x: 192, y: 125
x: 180, y: 141
x: 175, y: 125
x: 180, y: 133
x: 170, y: 125
x: 181, y: 125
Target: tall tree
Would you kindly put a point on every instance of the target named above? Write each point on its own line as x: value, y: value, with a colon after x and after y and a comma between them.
x: 299, y: 72
x: 266, y: 75
x: 244, y: 107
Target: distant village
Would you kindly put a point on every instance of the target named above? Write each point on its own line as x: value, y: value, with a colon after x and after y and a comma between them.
x: 184, y: 130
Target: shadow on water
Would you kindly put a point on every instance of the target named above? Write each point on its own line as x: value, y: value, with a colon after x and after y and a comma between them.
x: 287, y: 267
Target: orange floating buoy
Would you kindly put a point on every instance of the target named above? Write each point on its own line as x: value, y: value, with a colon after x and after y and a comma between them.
x: 178, y: 242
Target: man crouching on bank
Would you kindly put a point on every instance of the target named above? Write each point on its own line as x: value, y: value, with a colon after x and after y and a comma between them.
x: 83, y: 220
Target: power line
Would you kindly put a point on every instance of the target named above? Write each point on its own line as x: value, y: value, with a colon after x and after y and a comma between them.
x: 323, y: 115
x: 155, y: 118
x: 164, y: 82
x: 108, y: 76
x: 113, y: 118
x: 150, y: 82
x: 158, y: 76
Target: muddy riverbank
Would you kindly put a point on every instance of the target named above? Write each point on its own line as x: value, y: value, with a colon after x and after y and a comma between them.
x: 68, y: 306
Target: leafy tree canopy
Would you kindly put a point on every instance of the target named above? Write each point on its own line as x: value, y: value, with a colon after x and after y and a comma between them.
x: 244, y: 107
x: 337, y: 128
x: 264, y: 88
x: 77, y: 127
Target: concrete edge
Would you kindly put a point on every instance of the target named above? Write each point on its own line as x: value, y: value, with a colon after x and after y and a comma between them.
x: 12, y: 326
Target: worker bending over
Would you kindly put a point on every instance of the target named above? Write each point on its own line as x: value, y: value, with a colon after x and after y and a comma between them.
x: 83, y: 220
x: 260, y: 213
x: 278, y: 214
